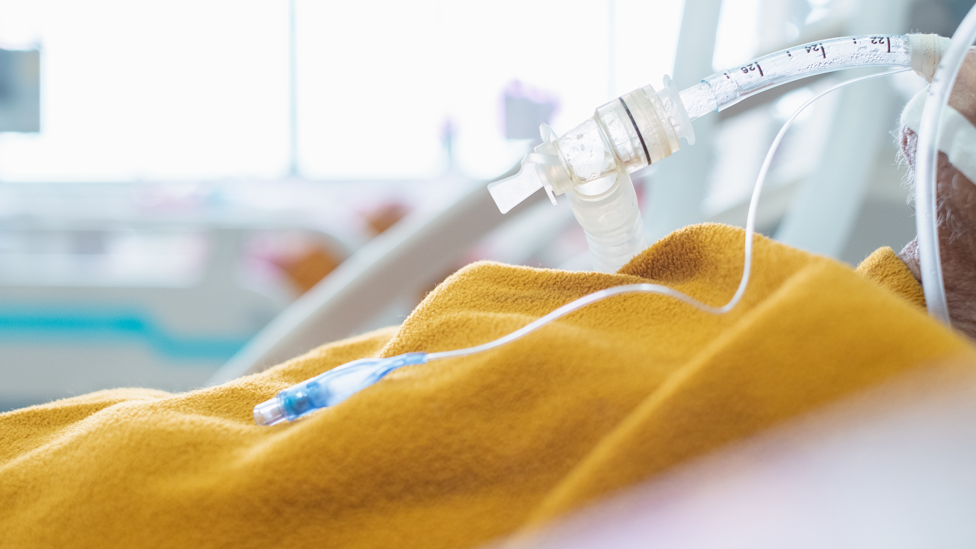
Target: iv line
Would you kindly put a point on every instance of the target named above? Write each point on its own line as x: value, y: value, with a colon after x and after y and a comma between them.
x: 664, y: 290
x: 348, y: 379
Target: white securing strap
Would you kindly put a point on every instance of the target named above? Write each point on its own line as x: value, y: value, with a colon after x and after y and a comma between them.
x: 927, y: 50
x: 957, y: 138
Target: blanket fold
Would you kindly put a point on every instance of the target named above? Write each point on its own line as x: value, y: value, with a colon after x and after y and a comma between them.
x: 457, y: 452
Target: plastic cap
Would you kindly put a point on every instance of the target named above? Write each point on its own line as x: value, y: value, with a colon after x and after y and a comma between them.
x: 269, y: 413
x: 511, y: 191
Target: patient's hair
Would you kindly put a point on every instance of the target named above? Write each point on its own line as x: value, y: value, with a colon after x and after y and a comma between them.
x: 907, y: 148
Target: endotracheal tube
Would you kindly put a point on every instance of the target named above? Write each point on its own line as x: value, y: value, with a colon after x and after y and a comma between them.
x: 592, y: 163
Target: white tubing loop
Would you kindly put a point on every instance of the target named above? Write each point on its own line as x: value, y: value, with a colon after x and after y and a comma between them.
x: 926, y: 161
x: 664, y: 290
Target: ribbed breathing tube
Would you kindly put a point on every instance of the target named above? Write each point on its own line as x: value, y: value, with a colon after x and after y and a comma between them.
x: 673, y: 113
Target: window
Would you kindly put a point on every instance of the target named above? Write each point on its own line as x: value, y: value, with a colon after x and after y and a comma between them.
x: 199, y: 90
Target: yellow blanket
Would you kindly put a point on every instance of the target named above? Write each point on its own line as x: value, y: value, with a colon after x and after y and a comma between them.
x: 457, y: 452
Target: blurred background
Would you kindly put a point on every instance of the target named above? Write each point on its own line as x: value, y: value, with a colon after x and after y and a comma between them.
x: 189, y: 190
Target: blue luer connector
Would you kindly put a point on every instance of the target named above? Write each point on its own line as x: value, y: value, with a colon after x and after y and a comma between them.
x: 330, y: 388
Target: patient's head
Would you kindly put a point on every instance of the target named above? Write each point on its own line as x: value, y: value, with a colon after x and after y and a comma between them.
x: 956, y: 211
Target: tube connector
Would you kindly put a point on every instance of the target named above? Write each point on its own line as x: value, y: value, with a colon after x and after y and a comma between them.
x: 628, y: 133
x: 592, y: 164
x: 330, y: 388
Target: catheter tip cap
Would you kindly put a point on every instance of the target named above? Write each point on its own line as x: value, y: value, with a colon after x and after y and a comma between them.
x: 269, y: 413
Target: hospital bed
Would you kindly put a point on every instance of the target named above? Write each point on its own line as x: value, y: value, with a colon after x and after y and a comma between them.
x: 98, y: 293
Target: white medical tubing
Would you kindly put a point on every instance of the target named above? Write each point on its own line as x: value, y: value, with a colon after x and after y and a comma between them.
x: 724, y: 89
x: 926, y: 161
x: 664, y: 290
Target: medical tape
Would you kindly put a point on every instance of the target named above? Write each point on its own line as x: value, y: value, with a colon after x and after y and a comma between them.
x: 927, y: 50
x: 957, y: 137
